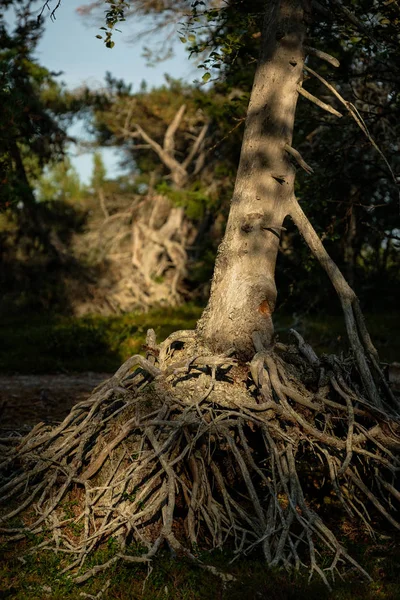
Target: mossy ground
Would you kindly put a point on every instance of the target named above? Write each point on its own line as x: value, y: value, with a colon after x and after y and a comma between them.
x: 52, y: 343
x: 46, y: 343
x: 177, y: 579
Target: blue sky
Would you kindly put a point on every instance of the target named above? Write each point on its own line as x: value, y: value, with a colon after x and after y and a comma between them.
x: 70, y: 45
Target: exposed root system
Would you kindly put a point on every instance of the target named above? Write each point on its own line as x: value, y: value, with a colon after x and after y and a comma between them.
x: 190, y: 450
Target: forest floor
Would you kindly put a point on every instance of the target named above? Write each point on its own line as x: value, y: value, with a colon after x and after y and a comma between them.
x: 25, y: 400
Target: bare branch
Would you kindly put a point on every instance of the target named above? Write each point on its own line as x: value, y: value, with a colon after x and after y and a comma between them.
x: 356, y: 116
x: 102, y: 199
x: 345, y: 293
x: 169, y: 138
x: 178, y: 173
x: 196, y: 146
x: 154, y: 145
x: 322, y: 55
x: 318, y: 102
x: 300, y: 160
x: 328, y: 85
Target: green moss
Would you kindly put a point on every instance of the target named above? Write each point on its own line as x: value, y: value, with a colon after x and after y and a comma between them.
x: 178, y: 579
x: 52, y: 343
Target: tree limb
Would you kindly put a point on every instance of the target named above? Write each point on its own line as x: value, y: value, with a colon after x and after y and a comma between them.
x: 356, y: 116
x: 196, y: 146
x: 322, y: 55
x: 300, y: 160
x: 346, y: 295
x: 169, y: 138
x: 318, y: 102
x: 178, y: 173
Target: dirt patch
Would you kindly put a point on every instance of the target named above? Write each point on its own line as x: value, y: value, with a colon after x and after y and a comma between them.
x: 28, y: 399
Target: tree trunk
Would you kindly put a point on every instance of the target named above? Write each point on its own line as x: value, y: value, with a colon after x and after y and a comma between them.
x: 243, y: 291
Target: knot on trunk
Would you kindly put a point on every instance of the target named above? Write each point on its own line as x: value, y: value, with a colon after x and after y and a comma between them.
x: 264, y: 308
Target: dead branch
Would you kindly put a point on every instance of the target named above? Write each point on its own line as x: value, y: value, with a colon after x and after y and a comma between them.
x: 300, y: 160
x: 322, y: 55
x: 178, y: 173
x: 356, y: 116
x: 347, y: 298
x: 169, y: 137
x: 196, y: 147
x: 318, y: 102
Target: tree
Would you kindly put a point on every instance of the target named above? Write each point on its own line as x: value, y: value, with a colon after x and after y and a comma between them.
x: 213, y: 437
x: 99, y: 172
x: 152, y: 236
x: 29, y: 128
x: 264, y: 195
x: 349, y: 180
x: 60, y: 182
x: 351, y: 189
x: 35, y: 110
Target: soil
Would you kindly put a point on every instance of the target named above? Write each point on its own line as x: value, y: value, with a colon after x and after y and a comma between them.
x: 28, y: 399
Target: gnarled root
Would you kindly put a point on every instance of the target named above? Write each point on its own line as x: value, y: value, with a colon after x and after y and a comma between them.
x: 191, y: 450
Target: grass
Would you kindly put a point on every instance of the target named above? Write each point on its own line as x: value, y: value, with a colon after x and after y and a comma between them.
x: 177, y: 579
x: 327, y: 333
x: 53, y: 343
x: 45, y: 343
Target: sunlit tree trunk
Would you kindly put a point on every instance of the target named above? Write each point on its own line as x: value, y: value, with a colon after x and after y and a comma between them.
x: 243, y: 291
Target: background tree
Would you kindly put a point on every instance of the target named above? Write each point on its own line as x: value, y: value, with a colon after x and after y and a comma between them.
x: 155, y: 231
x: 35, y: 112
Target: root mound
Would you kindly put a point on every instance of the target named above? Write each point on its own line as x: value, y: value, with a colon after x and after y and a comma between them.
x: 196, y: 451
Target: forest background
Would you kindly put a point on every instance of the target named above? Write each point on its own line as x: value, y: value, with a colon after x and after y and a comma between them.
x: 82, y: 265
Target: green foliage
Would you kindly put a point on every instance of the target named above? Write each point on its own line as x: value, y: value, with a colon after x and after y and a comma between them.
x: 99, y: 172
x: 40, y: 576
x: 224, y: 36
x: 194, y: 200
x: 59, y: 182
x: 27, y: 127
x: 115, y: 14
x: 46, y: 343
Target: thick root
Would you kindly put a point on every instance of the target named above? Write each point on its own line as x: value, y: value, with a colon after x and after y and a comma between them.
x: 198, y: 451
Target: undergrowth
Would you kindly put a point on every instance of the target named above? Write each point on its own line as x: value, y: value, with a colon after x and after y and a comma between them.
x: 46, y: 343
x: 52, y: 343
x: 39, y: 578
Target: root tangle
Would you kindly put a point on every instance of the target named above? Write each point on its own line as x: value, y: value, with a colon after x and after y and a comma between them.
x: 198, y: 451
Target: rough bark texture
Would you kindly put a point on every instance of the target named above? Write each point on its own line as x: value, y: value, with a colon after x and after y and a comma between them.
x: 243, y: 291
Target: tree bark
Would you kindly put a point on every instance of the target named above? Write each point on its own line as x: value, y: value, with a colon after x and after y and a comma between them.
x: 243, y: 291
